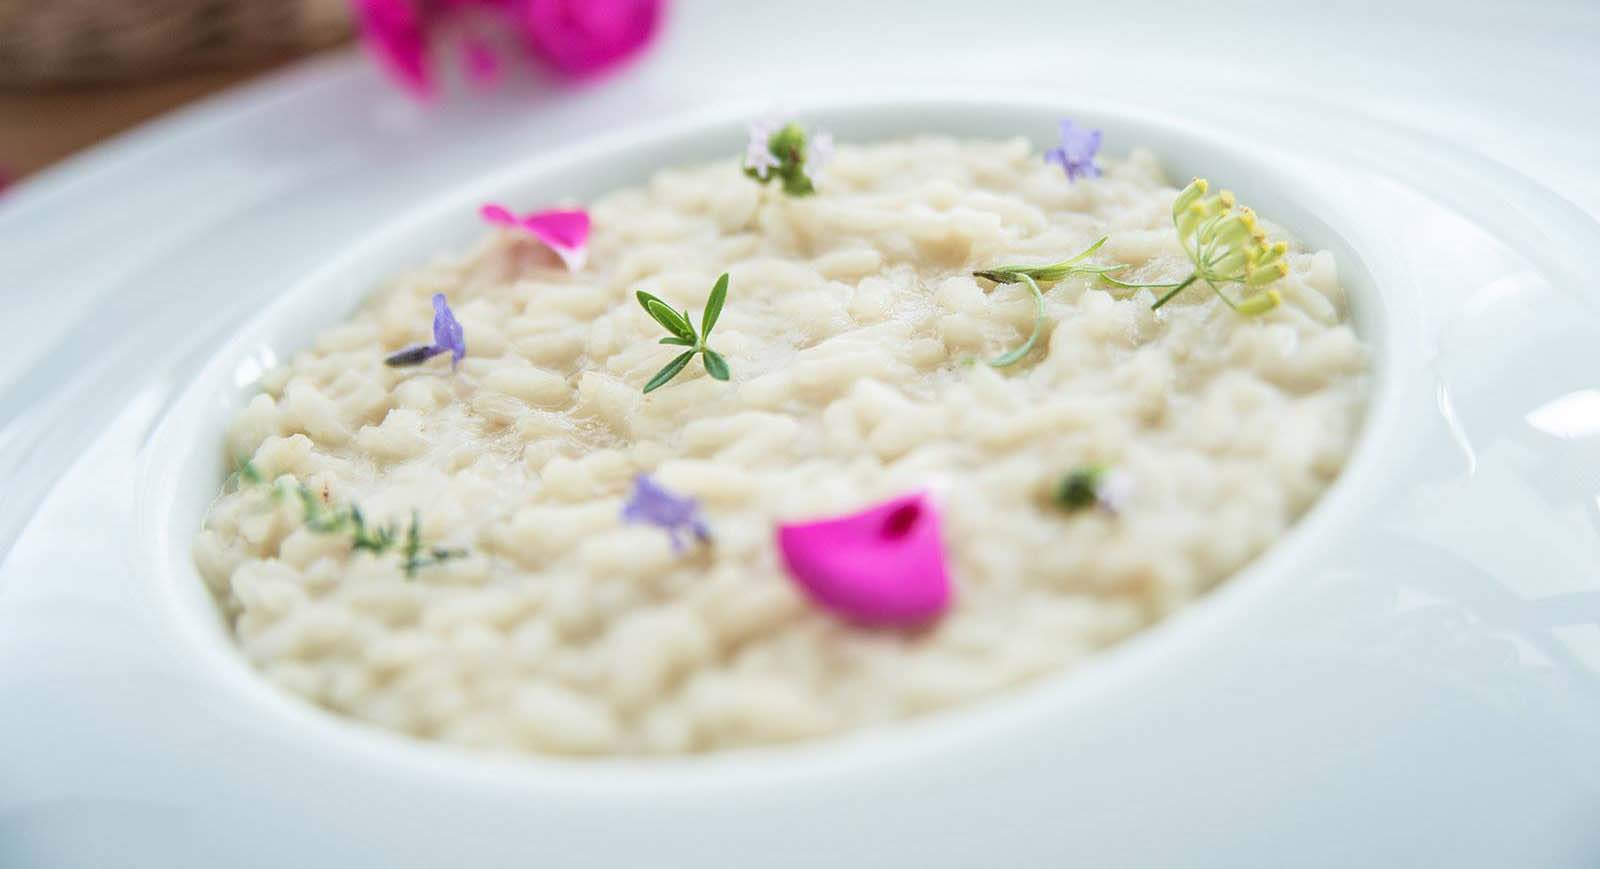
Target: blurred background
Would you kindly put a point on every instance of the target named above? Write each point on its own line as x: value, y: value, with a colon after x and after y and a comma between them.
x: 74, y: 72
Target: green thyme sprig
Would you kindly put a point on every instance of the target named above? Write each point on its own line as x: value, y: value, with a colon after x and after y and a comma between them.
x: 1030, y: 276
x: 684, y: 335
x: 1226, y: 246
x: 324, y: 518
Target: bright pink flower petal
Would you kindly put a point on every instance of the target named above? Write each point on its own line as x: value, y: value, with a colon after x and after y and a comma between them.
x: 396, y: 33
x: 582, y: 37
x: 882, y: 566
x: 563, y: 230
x: 499, y: 215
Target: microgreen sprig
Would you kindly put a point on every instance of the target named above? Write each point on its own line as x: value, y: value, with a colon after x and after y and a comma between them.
x: 788, y: 153
x: 1030, y: 276
x: 684, y: 334
x: 1226, y: 246
x: 1093, y: 486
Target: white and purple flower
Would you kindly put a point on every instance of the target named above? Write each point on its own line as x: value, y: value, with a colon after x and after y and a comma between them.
x: 758, y: 156
x: 1077, y: 151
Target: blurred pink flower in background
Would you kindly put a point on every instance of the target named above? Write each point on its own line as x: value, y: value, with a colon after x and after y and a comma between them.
x: 582, y: 37
x: 576, y: 38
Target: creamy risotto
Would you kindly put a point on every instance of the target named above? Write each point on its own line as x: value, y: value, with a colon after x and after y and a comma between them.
x: 855, y: 333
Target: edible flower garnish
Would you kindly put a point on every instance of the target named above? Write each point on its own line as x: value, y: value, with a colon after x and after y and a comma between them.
x: 758, y: 156
x: 1094, y: 485
x: 1030, y: 276
x: 447, y: 337
x: 684, y: 335
x: 883, y: 566
x: 678, y: 515
x: 563, y: 230
x: 786, y: 152
x: 1226, y: 246
x: 577, y: 38
x: 1077, y: 150
x: 324, y: 518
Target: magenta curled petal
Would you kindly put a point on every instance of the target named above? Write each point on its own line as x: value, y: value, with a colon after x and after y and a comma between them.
x: 883, y: 566
x: 564, y: 230
x: 498, y: 215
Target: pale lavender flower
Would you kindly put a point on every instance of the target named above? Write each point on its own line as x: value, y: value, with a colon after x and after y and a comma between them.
x: 758, y: 153
x: 1114, y: 490
x: 1076, y: 152
x: 448, y: 337
x: 819, y: 153
x: 678, y: 515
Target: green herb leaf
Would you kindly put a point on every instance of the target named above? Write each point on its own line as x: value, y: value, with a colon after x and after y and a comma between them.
x: 669, y: 372
x: 669, y: 319
x: 1088, y: 251
x: 1051, y: 271
x: 1076, y: 489
x: 716, y: 366
x: 708, y: 318
x: 1012, y: 357
x: 683, y: 334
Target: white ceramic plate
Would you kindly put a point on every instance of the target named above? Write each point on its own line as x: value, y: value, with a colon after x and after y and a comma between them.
x: 1378, y: 664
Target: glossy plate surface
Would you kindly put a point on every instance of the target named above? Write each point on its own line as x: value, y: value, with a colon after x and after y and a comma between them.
x: 1412, y: 678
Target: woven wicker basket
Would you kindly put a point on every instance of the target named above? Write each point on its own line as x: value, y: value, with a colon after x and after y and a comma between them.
x: 82, y: 41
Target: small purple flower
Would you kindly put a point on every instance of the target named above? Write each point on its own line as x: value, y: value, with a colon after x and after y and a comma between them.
x: 1076, y: 152
x: 675, y: 514
x: 447, y: 338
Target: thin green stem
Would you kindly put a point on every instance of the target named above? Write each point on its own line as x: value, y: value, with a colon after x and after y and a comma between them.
x: 1016, y: 354
x: 1131, y: 286
x: 1175, y: 290
x: 1223, y: 296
